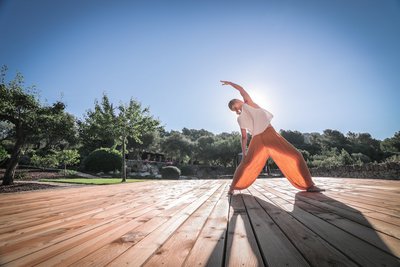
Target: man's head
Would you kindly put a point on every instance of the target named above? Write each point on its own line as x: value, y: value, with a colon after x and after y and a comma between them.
x: 235, y: 105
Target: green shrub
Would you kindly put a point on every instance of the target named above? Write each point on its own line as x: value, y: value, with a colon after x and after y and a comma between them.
x: 103, y: 159
x: 170, y: 172
x: 47, y: 161
x: 3, y: 153
x: 393, y: 158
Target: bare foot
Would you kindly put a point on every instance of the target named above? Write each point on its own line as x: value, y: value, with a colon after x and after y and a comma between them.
x: 315, y: 188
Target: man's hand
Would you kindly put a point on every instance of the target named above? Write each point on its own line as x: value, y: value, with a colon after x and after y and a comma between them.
x: 234, y: 85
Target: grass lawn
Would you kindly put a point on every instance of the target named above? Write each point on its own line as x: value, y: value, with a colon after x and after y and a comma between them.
x: 99, y: 181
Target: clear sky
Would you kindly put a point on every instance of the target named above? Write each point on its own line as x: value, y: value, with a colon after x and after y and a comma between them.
x: 315, y: 65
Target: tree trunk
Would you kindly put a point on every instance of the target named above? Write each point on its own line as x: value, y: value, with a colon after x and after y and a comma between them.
x: 123, y: 170
x: 8, y: 178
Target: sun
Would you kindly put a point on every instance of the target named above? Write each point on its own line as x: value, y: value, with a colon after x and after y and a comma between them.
x: 265, y: 96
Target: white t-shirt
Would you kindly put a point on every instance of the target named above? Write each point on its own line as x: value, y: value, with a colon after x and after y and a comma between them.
x: 256, y: 120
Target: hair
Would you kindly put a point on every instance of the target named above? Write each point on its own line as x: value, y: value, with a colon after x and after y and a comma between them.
x: 230, y: 104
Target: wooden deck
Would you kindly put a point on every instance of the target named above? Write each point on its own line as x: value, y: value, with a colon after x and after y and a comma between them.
x: 356, y: 222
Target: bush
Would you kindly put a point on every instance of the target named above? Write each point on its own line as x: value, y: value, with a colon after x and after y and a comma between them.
x: 48, y: 161
x: 3, y: 153
x: 393, y: 158
x: 170, y: 172
x: 103, y: 159
x: 360, y: 157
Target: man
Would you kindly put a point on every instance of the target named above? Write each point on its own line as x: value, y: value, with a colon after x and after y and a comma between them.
x: 265, y: 143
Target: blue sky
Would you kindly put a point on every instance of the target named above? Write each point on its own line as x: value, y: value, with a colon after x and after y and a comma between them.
x: 314, y: 64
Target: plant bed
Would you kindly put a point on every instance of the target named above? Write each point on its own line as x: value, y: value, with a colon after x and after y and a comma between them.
x: 21, y: 186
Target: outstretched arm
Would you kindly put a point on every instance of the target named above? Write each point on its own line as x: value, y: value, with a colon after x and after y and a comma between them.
x: 246, y: 97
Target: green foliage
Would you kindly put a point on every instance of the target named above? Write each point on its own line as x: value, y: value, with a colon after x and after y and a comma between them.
x: 68, y: 157
x: 107, y: 126
x: 365, y: 144
x: 170, y: 172
x: 225, y: 150
x: 3, y: 153
x: 47, y: 161
x: 194, y: 134
x: 96, y: 129
x: 103, y: 159
x: 294, y: 137
x: 177, y: 146
x: 393, y: 158
x: 305, y: 153
x: 150, y: 141
x: 391, y: 144
x: 360, y: 158
x: 34, y: 122
x: 332, y: 158
x: 21, y: 106
x: 333, y: 138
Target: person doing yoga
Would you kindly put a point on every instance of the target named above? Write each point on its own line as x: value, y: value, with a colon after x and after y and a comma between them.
x: 265, y: 143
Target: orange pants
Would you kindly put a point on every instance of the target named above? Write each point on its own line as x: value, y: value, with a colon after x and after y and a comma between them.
x: 289, y: 160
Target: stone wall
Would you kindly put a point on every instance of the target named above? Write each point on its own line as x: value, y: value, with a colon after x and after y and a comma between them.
x: 389, y: 170
x: 205, y: 171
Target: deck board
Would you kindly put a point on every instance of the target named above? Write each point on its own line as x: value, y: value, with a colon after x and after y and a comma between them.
x: 356, y: 222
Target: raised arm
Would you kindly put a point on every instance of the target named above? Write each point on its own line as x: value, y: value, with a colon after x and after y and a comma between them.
x: 246, y: 97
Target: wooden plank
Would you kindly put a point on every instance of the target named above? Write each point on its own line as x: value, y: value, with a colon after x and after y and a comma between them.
x: 64, y: 199
x: 70, y: 256
x: 36, y: 214
x: 138, y: 254
x: 383, y: 241
x: 120, y: 243
x: 175, y: 250
x: 60, y: 243
x: 241, y: 248
x: 322, y: 201
x: 274, y: 244
x: 25, y: 197
x: 357, y: 249
x: 209, y: 248
x: 66, y: 220
x: 31, y: 218
x: 316, y: 250
x: 361, y: 228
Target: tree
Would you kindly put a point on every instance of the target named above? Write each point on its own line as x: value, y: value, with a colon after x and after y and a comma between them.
x: 132, y: 122
x: 365, y: 144
x: 97, y: 128
x: 178, y: 146
x: 391, y: 144
x: 194, y: 134
x: 150, y: 141
x: 296, y: 138
x: 333, y: 138
x: 21, y: 107
x: 68, y: 157
x: 204, y: 148
x: 226, y: 150
x: 104, y: 127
